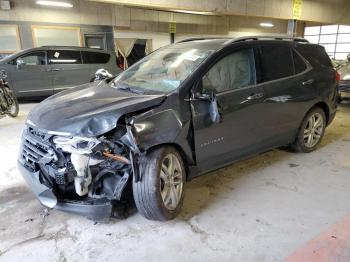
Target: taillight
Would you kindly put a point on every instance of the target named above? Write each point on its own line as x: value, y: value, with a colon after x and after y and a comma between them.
x: 337, y: 77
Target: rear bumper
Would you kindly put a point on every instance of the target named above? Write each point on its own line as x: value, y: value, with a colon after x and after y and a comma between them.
x: 98, y: 211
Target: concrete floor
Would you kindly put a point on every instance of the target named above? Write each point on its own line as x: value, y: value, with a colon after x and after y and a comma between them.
x: 261, y: 209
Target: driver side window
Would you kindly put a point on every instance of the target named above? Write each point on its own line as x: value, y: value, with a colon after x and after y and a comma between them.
x: 234, y: 71
x: 32, y: 59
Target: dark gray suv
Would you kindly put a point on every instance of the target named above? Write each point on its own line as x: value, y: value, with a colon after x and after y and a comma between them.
x: 182, y: 111
x: 44, y: 71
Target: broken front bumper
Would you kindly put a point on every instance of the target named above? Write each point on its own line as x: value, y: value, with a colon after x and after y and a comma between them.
x: 98, y: 211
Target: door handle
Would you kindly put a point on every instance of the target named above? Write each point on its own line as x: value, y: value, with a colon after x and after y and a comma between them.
x: 308, y: 82
x: 55, y: 69
x: 255, y: 96
x: 46, y: 70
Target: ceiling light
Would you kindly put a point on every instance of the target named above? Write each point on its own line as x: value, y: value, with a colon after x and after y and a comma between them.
x: 55, y: 3
x: 192, y: 12
x: 267, y: 24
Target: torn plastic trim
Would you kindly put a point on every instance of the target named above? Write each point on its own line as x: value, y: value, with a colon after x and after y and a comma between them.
x: 129, y: 140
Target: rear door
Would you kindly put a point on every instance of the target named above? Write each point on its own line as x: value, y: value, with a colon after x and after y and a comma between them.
x: 289, y: 90
x: 68, y: 70
x: 239, y: 99
x: 33, y: 78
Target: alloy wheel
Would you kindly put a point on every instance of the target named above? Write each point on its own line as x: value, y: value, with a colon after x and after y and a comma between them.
x: 171, y: 181
x: 313, y: 130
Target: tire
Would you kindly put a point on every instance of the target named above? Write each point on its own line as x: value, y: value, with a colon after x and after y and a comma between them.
x: 303, y: 143
x: 12, y: 96
x: 154, y: 193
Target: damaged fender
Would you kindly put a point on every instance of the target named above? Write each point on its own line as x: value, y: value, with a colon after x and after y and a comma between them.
x: 156, y: 128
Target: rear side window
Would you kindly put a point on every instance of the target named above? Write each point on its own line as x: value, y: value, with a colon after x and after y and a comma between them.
x: 95, y: 57
x: 276, y: 62
x: 315, y: 54
x: 299, y: 64
x: 60, y: 57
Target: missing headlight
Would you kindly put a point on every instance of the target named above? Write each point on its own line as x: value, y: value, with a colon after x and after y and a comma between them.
x: 76, y: 145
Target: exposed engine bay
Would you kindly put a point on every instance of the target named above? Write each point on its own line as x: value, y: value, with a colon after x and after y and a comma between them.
x: 80, y: 168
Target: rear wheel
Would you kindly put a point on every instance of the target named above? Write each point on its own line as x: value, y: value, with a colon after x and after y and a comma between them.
x: 311, y: 131
x: 159, y: 195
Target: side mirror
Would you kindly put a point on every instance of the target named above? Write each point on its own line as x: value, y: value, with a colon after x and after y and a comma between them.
x: 102, y: 74
x: 205, y: 95
x: 209, y: 95
x: 20, y: 63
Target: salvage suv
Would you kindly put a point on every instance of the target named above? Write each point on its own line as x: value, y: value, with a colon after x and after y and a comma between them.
x: 182, y: 111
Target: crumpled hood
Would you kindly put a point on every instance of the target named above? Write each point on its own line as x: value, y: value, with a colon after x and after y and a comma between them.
x: 88, y: 110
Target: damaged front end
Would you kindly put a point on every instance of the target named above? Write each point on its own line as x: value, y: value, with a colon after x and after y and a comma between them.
x: 86, y: 176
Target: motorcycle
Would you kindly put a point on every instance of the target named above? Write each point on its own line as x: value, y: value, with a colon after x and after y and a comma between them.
x: 8, y: 101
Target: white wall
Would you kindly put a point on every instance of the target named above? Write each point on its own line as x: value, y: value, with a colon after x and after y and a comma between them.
x: 158, y: 39
x: 142, y: 23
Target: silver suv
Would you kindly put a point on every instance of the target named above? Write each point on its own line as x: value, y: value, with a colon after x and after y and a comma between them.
x: 44, y: 71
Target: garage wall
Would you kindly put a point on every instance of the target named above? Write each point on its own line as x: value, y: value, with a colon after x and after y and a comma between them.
x: 150, y: 24
x: 26, y: 35
x: 242, y: 25
x: 133, y: 19
x: 132, y: 22
x: 83, y: 12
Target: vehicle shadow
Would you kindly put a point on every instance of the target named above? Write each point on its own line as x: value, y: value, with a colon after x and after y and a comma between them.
x: 203, y: 191
x: 340, y: 126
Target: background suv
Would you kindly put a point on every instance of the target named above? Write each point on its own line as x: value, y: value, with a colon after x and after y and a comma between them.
x: 44, y: 71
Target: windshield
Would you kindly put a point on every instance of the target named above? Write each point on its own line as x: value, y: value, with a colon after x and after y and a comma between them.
x: 162, y: 71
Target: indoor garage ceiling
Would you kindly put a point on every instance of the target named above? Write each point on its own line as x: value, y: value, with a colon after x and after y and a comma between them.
x: 313, y: 10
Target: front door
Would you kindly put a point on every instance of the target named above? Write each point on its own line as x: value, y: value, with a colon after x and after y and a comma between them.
x: 240, y: 103
x: 32, y: 77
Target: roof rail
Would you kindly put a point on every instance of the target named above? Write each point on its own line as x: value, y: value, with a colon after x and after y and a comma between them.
x: 201, y: 38
x: 268, y: 37
x: 248, y: 38
x: 70, y: 47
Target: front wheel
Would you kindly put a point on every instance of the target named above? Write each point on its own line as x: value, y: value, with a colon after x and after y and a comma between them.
x: 13, y: 103
x: 311, y: 131
x: 159, y: 194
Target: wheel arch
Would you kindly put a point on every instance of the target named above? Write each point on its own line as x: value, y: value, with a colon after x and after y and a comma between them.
x: 324, y: 107
x: 179, y: 149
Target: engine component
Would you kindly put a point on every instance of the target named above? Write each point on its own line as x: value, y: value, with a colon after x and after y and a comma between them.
x: 83, y: 178
x: 117, y: 158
